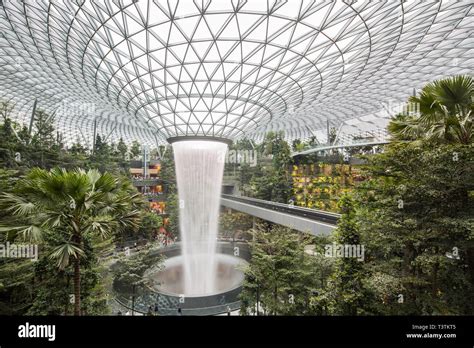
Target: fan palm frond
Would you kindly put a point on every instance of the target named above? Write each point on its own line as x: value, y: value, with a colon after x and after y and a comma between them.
x: 446, y: 108
x: 64, y: 252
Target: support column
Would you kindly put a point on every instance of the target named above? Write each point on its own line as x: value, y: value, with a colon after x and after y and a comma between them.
x: 32, y: 119
x: 94, y: 135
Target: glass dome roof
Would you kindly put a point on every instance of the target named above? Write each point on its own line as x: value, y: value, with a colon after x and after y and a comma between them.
x: 150, y: 70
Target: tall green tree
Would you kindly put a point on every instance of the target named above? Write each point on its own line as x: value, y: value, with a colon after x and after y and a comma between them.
x: 346, y: 290
x: 135, y: 149
x: 44, y: 145
x: 233, y: 225
x: 168, y: 170
x: 150, y: 224
x: 280, y: 275
x: 14, y: 140
x: 122, y: 149
x: 273, y: 182
x: 53, y: 287
x: 416, y: 220
x: 172, y: 209
x: 71, y: 205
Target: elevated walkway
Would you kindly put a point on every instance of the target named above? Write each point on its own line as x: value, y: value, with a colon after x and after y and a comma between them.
x: 338, y: 146
x: 316, y: 222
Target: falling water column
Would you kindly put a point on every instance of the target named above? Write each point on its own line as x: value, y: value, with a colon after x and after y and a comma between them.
x: 199, y: 171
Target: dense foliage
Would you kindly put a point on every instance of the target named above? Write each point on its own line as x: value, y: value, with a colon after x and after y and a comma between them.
x: 270, y: 177
x: 68, y: 207
x: 72, y: 214
x: 414, y: 216
x: 281, y: 276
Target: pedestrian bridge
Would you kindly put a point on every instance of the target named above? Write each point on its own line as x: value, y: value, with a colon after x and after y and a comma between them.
x: 316, y: 222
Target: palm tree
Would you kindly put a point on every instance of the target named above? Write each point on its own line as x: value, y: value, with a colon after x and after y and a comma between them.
x: 446, y: 113
x: 72, y: 205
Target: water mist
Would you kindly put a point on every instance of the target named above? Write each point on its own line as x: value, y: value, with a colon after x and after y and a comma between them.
x: 199, y: 171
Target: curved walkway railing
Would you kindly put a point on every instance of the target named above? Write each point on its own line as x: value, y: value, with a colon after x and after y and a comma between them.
x: 170, y: 311
x: 167, y: 304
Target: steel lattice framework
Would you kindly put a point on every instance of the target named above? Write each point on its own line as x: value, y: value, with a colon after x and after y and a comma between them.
x: 153, y: 69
